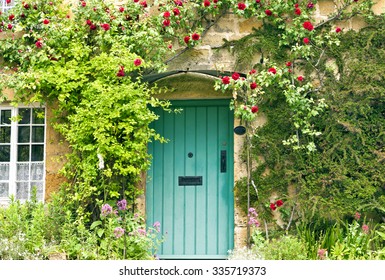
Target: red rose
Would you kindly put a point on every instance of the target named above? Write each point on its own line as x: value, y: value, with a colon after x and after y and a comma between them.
x: 252, y: 71
x: 186, y: 39
x: 300, y: 78
x: 143, y: 4
x: 39, y: 44
x: 88, y: 22
x: 306, y: 41
x: 8, y: 1
x: 46, y: 21
x: 11, y: 17
x: 105, y: 26
x: 258, y: 1
x: 235, y: 76
x: 83, y: 3
x: 176, y: 12
x: 121, y: 9
x: 169, y: 46
x: 253, y: 85
x: 288, y: 64
x: 307, y: 25
x: 338, y: 29
x: 297, y: 11
x: 272, y: 206
x: 310, y: 5
x: 9, y: 26
x: 166, y: 22
x: 26, y: 6
x: 241, y: 6
x: 178, y: 3
x: 272, y: 70
x: 279, y: 203
x: 195, y: 36
x: 254, y: 109
x: 166, y: 14
x: 226, y: 80
x: 268, y: 12
x: 120, y: 72
x: 206, y: 3
x: 296, y: 5
x: 92, y: 26
x: 137, y: 62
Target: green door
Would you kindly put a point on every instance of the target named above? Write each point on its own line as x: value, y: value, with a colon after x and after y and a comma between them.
x: 190, y: 183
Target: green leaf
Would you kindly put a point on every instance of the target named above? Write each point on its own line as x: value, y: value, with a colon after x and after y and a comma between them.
x: 95, y: 224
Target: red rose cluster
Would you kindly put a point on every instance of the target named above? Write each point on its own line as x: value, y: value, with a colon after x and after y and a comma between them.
x: 278, y: 203
x: 307, y: 25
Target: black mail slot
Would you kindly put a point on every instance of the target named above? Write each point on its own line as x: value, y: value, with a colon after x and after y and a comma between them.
x: 190, y: 180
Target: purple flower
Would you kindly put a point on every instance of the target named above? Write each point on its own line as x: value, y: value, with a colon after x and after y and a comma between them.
x: 142, y: 231
x: 253, y: 221
x: 156, y: 226
x: 106, y: 210
x: 118, y: 231
x: 122, y: 204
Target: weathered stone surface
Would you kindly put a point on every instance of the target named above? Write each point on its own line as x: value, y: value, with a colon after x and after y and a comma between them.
x: 194, y: 59
x: 379, y: 7
x: 326, y: 7
x: 247, y: 26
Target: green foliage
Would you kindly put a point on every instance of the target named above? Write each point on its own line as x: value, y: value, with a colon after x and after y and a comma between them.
x: 286, y: 247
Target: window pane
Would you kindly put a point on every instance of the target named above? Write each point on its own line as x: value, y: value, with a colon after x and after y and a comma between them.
x: 38, y: 134
x: 4, y: 189
x: 39, y: 190
x: 5, y: 117
x: 5, y: 153
x: 25, y: 115
x: 22, y: 190
x: 37, y: 171
x: 5, y: 134
x: 4, y: 171
x: 22, y: 172
x: 23, y: 153
x: 37, y: 153
x: 23, y: 134
x: 38, y: 116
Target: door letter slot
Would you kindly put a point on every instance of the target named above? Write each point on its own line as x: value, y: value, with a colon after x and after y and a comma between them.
x: 190, y: 181
x: 223, y: 161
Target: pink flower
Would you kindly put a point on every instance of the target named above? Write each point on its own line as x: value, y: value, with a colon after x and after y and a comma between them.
x: 176, y: 12
x: 310, y: 5
x: 186, y: 39
x: 268, y: 12
x: 195, y: 36
x: 39, y: 44
x: 241, y: 6
x: 118, y: 232
x: 106, y: 210
x: 279, y: 203
x: 142, y: 231
x: 206, y: 3
x: 226, y: 80
x: 338, y: 30
x: 46, y: 21
x: 253, y: 85
x: 166, y: 14
x: 105, y: 26
x: 120, y: 74
x: 122, y: 204
x: 365, y: 229
x: 322, y: 254
x: 357, y: 216
x: 156, y: 226
x: 83, y: 3
x: 235, y: 76
x: 137, y: 62
x: 254, y: 109
x: 306, y: 40
x: 300, y: 78
x: 166, y: 22
x: 272, y: 206
x: 307, y: 25
x: 272, y: 70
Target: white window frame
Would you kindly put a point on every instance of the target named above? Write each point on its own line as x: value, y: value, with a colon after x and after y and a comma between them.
x: 13, y: 154
x: 5, y: 7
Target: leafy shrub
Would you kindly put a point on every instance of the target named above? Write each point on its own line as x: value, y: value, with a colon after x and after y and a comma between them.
x: 286, y: 247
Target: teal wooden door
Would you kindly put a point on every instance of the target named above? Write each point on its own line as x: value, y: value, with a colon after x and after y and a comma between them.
x: 190, y: 184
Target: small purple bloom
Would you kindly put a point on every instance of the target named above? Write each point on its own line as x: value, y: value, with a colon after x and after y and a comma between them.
x: 118, y: 231
x: 156, y: 226
x: 122, y: 204
x: 142, y: 231
x: 106, y: 210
